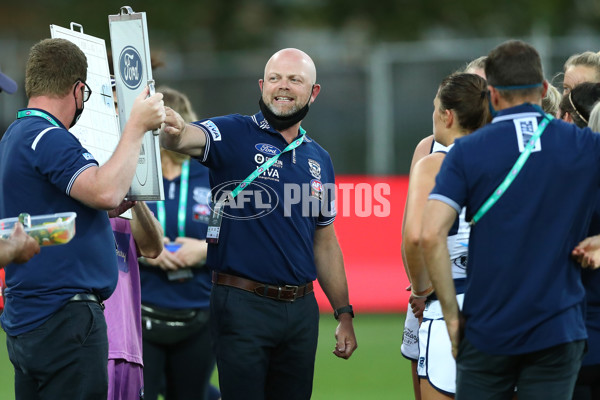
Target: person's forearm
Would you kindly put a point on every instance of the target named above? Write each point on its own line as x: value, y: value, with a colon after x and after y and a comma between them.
x: 105, y: 187
x: 115, y: 176
x: 191, y: 141
x: 415, y: 264
x: 438, y: 266
x: 330, y: 267
x: 146, y: 231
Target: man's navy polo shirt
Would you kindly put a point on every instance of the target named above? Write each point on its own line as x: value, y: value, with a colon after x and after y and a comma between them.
x: 38, y: 165
x: 524, y: 291
x: 268, y: 233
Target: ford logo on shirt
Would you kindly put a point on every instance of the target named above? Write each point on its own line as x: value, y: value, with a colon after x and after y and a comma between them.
x: 130, y: 67
x: 267, y: 149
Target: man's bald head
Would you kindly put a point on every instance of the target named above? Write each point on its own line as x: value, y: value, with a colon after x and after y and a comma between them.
x: 292, y: 60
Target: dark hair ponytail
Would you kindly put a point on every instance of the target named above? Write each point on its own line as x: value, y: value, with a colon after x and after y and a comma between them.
x: 465, y: 94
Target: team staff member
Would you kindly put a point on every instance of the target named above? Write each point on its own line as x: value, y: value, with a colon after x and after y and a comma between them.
x: 176, y: 285
x: 56, y: 331
x: 523, y: 305
x: 19, y: 247
x: 264, y: 316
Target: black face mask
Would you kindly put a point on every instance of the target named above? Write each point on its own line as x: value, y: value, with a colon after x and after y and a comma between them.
x: 282, y: 123
x: 78, y: 111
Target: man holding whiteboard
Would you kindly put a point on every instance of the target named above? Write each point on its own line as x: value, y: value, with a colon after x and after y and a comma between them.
x: 54, y: 321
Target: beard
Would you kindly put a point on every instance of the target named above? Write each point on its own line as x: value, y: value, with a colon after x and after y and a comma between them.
x: 282, y: 120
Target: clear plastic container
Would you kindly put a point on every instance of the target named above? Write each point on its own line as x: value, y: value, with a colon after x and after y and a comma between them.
x: 48, y: 229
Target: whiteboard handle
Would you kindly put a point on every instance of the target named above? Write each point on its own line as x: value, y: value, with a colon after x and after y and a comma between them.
x: 152, y: 90
x: 126, y: 10
x: 76, y: 25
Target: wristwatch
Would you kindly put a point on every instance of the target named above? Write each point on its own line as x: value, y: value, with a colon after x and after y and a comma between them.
x: 342, y: 310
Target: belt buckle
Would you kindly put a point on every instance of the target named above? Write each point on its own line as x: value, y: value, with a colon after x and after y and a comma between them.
x: 293, y: 288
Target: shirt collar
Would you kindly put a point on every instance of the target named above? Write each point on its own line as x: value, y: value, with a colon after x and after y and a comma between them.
x: 263, y: 124
x: 520, y: 111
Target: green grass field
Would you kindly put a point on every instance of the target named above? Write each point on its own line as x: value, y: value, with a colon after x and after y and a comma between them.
x: 377, y: 370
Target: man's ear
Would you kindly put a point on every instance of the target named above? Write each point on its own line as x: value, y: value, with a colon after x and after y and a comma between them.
x: 260, y: 84
x: 545, y: 86
x: 316, y: 89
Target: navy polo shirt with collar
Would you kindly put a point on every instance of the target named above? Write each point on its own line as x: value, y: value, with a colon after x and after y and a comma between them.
x: 38, y: 165
x: 267, y: 233
x: 524, y: 291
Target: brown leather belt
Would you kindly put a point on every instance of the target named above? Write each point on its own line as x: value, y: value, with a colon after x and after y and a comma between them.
x: 287, y: 293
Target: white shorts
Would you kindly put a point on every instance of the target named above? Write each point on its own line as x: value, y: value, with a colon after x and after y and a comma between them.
x: 410, y: 338
x: 436, y: 363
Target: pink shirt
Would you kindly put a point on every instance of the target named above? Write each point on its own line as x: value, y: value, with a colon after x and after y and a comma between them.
x: 123, y: 308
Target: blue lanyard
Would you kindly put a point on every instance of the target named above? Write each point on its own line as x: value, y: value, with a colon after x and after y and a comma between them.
x: 182, y: 208
x: 36, y: 113
x: 514, y: 171
x: 250, y: 178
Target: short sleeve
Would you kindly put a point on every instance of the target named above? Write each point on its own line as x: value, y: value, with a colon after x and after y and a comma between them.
x: 220, y: 139
x: 59, y: 156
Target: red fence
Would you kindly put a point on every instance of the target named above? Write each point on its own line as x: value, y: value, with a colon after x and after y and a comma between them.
x: 369, y: 229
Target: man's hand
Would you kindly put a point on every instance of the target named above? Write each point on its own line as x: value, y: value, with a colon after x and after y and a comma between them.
x: 174, y: 124
x: 147, y: 113
x: 124, y: 206
x: 456, y: 332
x: 25, y: 246
x: 345, y: 337
x: 166, y: 260
x: 192, y: 251
x: 587, y: 252
x: 417, y: 304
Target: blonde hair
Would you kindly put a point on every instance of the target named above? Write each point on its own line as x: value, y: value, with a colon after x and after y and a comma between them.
x: 478, y: 63
x: 181, y: 104
x: 178, y: 102
x: 586, y: 59
x: 551, y: 101
x: 594, y: 123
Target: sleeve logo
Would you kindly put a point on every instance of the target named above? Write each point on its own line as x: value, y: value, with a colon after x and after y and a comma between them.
x: 212, y: 129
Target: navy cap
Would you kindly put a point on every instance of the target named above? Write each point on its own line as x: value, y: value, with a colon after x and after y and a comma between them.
x: 6, y: 84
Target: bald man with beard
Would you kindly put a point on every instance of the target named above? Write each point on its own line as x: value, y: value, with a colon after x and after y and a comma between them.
x: 271, y: 235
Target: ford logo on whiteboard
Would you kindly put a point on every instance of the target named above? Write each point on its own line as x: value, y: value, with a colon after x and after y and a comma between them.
x: 130, y: 65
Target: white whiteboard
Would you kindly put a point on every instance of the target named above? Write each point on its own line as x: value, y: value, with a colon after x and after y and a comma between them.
x: 98, y: 127
x: 133, y: 72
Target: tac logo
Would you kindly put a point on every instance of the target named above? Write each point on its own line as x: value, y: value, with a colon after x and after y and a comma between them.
x: 267, y: 149
x: 130, y: 66
x: 316, y: 185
